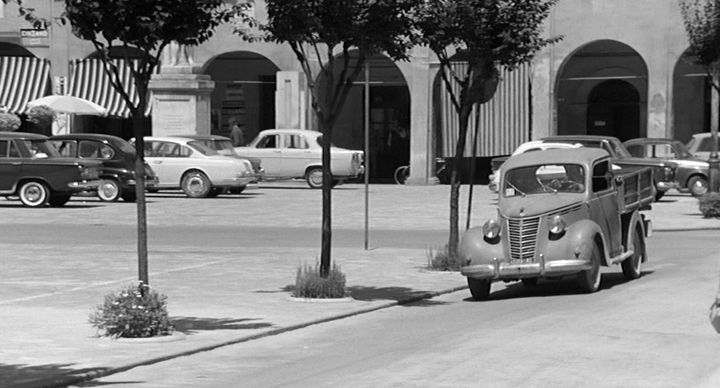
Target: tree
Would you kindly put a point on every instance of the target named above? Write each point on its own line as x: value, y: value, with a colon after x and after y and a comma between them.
x: 148, y: 26
x: 324, y: 34
x: 488, y: 34
x: 702, y: 24
x: 9, y: 122
x: 42, y: 116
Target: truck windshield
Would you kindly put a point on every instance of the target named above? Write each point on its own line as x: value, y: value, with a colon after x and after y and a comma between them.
x: 546, y: 178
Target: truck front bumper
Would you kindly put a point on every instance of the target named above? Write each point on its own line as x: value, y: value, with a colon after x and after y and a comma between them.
x: 504, y: 270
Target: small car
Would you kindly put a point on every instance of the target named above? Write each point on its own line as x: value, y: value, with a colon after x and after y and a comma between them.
x: 32, y: 169
x: 691, y: 173
x: 700, y: 145
x: 224, y: 146
x: 198, y: 170
x: 297, y: 153
x: 118, y: 162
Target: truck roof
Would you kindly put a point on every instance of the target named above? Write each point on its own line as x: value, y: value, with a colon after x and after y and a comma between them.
x: 584, y: 156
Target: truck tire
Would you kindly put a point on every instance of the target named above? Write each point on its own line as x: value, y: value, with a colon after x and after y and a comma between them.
x: 631, y: 265
x: 58, y: 200
x: 698, y: 185
x: 589, y: 280
x: 479, y: 288
x: 109, y: 190
x: 195, y: 184
x: 34, y: 194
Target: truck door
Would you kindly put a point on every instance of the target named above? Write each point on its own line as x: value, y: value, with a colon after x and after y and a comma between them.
x: 604, y: 207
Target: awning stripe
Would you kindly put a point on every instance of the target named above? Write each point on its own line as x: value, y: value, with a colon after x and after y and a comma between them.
x: 504, y: 121
x: 22, y: 79
x: 90, y: 81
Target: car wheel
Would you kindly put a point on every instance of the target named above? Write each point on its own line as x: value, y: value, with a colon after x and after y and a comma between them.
x: 59, y: 199
x: 401, y: 174
x: 314, y: 177
x: 214, y: 192
x: 529, y: 282
x: 237, y: 190
x: 129, y: 197
x: 109, y: 190
x: 34, y: 194
x: 698, y: 186
x: 589, y: 280
x: 479, y: 288
x: 153, y: 190
x: 631, y: 265
x: 196, y: 185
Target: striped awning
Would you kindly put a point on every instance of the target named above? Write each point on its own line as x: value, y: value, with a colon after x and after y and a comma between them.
x: 90, y: 81
x: 503, y: 122
x: 22, y: 79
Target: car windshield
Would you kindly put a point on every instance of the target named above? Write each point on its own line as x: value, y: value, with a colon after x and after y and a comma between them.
x: 223, y: 147
x: 545, y: 178
x: 202, y: 148
x: 41, y: 149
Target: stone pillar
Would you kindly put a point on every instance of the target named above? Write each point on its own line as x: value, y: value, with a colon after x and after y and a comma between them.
x: 180, y: 95
x: 291, y: 100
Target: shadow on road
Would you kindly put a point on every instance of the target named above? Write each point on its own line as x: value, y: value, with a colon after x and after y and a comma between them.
x: 399, y: 294
x: 18, y: 375
x: 190, y: 325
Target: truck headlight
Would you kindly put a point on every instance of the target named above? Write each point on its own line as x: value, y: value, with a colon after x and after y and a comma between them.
x: 491, y: 229
x: 557, y: 225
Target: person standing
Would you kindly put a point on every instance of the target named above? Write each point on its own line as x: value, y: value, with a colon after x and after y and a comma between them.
x: 236, y: 134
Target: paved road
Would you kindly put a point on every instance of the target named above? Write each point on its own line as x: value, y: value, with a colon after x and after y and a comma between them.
x: 651, y: 332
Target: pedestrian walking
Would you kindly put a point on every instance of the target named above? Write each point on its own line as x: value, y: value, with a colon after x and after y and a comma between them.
x: 237, y: 135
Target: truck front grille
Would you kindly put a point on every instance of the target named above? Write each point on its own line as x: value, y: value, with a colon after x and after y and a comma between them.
x: 523, y: 237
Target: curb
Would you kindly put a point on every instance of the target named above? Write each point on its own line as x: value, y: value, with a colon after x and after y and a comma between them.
x: 88, y: 376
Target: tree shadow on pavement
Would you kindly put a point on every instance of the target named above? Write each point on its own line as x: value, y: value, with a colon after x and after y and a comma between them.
x: 190, y: 325
x: 18, y: 375
x: 407, y: 296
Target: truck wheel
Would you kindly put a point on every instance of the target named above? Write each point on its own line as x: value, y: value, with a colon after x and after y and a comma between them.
x: 109, y: 190
x: 196, y: 185
x: 589, y: 280
x: 631, y: 265
x: 479, y: 288
x: 698, y: 186
x: 58, y: 200
x: 314, y: 177
x: 34, y: 194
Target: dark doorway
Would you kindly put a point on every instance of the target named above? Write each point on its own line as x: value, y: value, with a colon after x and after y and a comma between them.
x: 614, y: 110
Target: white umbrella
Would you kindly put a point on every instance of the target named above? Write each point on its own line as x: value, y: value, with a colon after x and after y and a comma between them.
x: 69, y: 104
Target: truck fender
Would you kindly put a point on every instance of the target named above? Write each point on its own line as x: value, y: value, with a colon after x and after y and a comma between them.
x: 474, y: 248
x: 635, y: 220
x: 577, y: 242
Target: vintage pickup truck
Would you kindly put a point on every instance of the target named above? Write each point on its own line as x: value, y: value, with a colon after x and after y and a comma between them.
x: 561, y: 212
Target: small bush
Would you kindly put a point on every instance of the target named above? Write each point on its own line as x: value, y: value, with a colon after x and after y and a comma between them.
x: 129, y: 314
x: 440, y: 260
x: 9, y: 122
x: 42, y: 116
x: 309, y: 283
x: 710, y: 205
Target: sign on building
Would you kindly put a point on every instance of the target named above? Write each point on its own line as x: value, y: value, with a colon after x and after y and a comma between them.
x: 31, y: 37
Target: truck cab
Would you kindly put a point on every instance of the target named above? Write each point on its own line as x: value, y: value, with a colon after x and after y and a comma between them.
x: 560, y: 212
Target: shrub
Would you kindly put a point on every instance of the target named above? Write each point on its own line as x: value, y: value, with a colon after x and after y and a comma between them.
x: 9, y: 122
x: 309, y: 283
x: 440, y: 260
x: 710, y: 205
x: 42, y: 116
x: 129, y: 314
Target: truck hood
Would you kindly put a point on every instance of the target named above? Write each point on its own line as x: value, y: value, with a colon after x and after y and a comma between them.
x: 537, y: 204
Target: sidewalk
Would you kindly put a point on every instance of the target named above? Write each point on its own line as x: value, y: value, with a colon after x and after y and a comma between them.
x: 219, y: 296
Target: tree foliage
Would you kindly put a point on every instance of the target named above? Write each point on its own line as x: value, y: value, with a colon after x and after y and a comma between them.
x: 489, y: 35
x: 332, y: 40
x: 9, y: 122
x: 42, y: 116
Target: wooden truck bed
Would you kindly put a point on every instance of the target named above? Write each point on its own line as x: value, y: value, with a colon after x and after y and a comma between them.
x: 637, y: 190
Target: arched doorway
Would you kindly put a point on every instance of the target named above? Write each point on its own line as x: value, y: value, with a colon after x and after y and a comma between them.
x: 613, y: 110
x: 244, y: 92
x: 691, y: 98
x: 602, y: 89
x: 389, y: 119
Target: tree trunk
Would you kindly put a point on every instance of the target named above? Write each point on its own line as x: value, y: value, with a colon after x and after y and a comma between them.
x: 455, y: 183
x: 139, y: 133
x: 325, y: 254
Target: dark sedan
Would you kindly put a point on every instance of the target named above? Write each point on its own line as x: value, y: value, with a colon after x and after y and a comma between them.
x: 691, y: 173
x: 118, y: 162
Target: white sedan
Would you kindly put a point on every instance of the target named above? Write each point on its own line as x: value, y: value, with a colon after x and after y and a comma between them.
x: 297, y: 153
x: 200, y: 171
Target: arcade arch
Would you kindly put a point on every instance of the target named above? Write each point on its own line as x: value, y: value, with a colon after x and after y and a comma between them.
x: 691, y: 98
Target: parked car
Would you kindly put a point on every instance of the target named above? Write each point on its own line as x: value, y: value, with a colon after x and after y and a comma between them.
x: 32, y: 169
x: 691, y: 173
x: 528, y: 146
x: 663, y: 170
x: 224, y: 146
x: 297, y: 153
x: 117, y: 157
x: 700, y: 145
x: 200, y: 171
x: 561, y: 213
